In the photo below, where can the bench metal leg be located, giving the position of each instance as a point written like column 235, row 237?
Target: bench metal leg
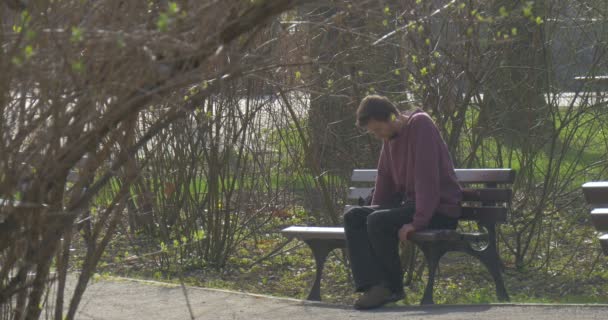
column 432, row 255
column 320, row 250
column 492, row 262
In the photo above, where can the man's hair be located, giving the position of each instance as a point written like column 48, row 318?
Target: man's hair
column 375, row 107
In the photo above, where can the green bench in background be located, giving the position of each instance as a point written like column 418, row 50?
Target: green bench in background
column 596, row 195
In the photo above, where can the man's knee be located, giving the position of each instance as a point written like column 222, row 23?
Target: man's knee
column 355, row 216
column 374, row 222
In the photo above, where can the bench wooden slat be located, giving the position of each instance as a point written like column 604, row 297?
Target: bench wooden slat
column 599, row 217
column 356, row 193
column 364, row 175
column 469, row 194
column 465, row 176
column 596, row 193
column 448, row 235
column 436, row 235
column 486, row 194
column 485, row 175
column 485, row 214
column 304, row 233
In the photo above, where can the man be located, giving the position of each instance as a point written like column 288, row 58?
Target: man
column 416, row 188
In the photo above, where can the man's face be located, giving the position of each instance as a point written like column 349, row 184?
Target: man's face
column 382, row 130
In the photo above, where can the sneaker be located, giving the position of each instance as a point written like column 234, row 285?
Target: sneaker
column 374, row 297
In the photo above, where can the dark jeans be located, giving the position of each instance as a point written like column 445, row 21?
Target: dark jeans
column 372, row 241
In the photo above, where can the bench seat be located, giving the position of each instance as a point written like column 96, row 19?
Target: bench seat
column 337, row 233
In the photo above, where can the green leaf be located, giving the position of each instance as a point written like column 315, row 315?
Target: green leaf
column 29, row 35
column 424, row 71
column 199, row 235
column 503, row 12
column 76, row 35
column 514, row 31
column 397, row 72
column 16, row 61
column 121, row 41
column 539, row 20
column 385, row 23
column 28, row 52
column 162, row 24
column 469, row 31
column 387, row 10
column 298, row 75
column 25, row 17
column 173, row 8
column 77, row 66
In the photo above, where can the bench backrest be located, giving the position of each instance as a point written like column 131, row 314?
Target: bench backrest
column 486, row 192
column 596, row 195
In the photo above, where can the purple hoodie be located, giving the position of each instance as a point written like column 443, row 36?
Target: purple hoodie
column 416, row 162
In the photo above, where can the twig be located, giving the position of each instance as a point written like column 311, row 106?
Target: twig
column 271, row 254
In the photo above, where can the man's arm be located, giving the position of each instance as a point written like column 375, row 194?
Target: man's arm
column 385, row 186
column 426, row 172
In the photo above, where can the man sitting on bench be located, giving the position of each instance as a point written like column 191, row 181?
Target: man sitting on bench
column 416, row 188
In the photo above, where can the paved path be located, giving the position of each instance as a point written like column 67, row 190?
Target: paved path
column 130, row 299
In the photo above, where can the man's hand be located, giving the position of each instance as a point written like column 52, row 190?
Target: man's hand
column 405, row 231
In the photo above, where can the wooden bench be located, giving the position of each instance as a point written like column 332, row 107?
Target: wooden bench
column 487, row 197
column 596, row 195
